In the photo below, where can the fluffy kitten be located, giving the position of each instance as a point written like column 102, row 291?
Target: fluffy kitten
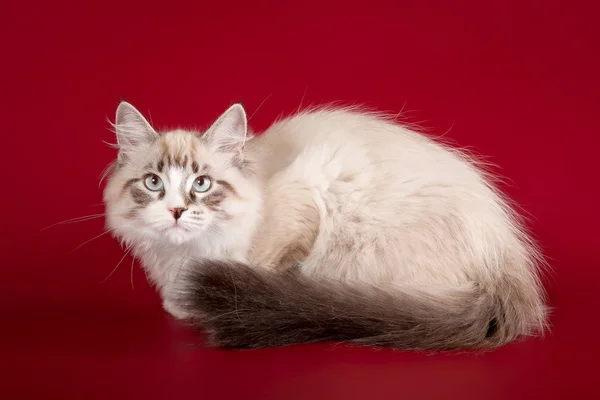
column 333, row 224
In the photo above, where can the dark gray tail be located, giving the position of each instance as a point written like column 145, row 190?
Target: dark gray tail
column 242, row 307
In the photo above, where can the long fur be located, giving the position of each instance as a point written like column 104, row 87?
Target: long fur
column 333, row 224
column 243, row 307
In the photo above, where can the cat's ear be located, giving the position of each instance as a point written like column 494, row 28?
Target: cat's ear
column 228, row 133
column 131, row 128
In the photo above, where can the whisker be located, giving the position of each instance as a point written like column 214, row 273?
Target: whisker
column 75, row 220
column 117, row 266
column 80, row 219
column 90, row 240
column 131, row 274
column 106, row 171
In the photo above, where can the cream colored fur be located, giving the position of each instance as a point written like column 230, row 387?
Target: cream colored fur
column 337, row 193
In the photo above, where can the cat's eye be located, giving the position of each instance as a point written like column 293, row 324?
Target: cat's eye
column 201, row 184
column 153, row 182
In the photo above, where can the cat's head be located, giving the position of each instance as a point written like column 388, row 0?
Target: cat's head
column 178, row 186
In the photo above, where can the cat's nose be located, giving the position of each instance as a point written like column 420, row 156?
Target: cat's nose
column 177, row 211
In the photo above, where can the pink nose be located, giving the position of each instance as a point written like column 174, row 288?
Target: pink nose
column 177, row 211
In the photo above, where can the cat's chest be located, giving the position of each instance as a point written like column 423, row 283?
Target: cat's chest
column 163, row 263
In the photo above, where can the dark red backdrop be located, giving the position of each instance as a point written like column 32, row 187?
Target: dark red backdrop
column 516, row 80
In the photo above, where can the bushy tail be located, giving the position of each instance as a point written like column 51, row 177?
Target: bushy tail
column 242, row 307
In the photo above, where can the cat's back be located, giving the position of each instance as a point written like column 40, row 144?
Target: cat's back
column 347, row 140
column 343, row 125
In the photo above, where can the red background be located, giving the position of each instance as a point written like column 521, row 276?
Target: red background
column 515, row 80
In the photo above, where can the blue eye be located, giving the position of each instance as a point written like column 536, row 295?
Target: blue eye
column 153, row 183
column 201, row 184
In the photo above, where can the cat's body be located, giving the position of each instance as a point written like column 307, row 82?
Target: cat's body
column 332, row 224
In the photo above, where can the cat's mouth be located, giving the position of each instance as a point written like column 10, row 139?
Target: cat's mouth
column 177, row 227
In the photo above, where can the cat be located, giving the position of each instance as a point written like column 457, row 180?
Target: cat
column 335, row 224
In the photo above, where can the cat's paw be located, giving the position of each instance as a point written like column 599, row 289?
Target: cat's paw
column 170, row 307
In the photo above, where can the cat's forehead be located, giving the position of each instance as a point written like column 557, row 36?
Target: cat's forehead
column 180, row 149
column 179, row 143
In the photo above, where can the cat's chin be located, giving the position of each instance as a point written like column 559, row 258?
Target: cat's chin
column 174, row 236
column 177, row 236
